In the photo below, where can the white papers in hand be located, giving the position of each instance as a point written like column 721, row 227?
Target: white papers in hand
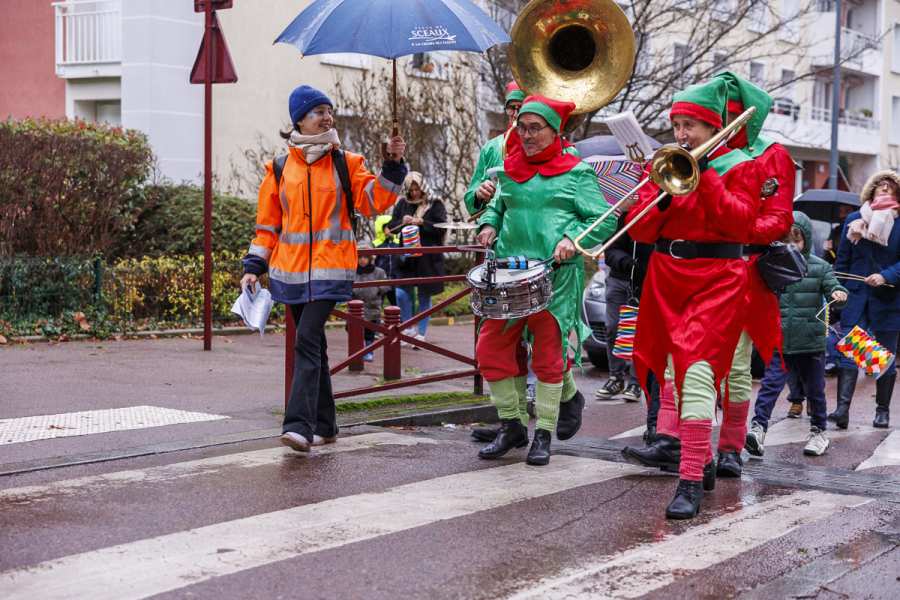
column 254, row 307
column 630, row 136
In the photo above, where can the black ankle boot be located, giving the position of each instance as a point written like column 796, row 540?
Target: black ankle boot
column 486, row 434
column 884, row 388
column 846, row 385
column 688, row 496
column 730, row 464
column 512, row 435
column 709, row 476
column 539, row 454
column 569, row 421
column 663, row 453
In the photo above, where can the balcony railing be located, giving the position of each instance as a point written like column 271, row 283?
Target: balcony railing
column 796, row 111
column 854, row 42
column 88, row 33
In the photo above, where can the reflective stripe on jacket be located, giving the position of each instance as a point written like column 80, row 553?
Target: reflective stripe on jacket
column 303, row 232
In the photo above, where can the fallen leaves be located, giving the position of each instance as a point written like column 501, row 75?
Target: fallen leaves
column 3, row 340
column 64, row 338
column 153, row 336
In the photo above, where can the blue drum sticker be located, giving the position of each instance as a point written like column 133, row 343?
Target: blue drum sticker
column 490, row 301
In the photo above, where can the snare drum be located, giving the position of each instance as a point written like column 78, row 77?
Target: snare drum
column 515, row 293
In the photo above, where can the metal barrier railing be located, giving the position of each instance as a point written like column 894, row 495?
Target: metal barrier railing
column 392, row 331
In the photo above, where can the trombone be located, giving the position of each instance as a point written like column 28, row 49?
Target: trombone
column 675, row 171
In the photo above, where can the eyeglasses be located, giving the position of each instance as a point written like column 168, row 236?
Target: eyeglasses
column 512, row 110
column 531, row 131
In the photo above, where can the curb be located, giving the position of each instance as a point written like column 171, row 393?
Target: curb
column 476, row 413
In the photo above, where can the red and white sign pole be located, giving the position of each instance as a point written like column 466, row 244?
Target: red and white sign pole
column 213, row 65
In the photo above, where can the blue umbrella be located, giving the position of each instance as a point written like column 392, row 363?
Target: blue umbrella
column 390, row 29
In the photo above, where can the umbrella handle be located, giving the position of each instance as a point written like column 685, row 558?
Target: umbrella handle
column 384, row 145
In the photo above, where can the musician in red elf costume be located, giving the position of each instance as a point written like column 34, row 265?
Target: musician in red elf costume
column 693, row 308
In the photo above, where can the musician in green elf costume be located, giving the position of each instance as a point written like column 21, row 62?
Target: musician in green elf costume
column 546, row 199
column 480, row 191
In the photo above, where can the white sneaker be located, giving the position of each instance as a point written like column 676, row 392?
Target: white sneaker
column 756, row 439
column 421, row 338
column 408, row 332
column 817, row 444
column 295, row 442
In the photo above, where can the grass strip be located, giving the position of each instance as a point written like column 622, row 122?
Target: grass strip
column 419, row 398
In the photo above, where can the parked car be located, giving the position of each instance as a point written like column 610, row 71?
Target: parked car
column 593, row 314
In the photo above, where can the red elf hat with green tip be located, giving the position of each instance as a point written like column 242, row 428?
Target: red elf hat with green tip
column 514, row 93
column 704, row 102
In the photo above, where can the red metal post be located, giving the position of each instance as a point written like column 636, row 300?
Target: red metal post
column 479, row 379
column 290, row 338
column 392, row 349
column 356, row 334
column 207, row 184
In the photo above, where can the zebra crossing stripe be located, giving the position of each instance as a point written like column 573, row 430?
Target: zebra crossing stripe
column 886, row 454
column 649, row 567
column 170, row 562
column 87, row 422
column 162, row 474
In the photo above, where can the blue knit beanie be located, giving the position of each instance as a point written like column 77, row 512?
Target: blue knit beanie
column 303, row 100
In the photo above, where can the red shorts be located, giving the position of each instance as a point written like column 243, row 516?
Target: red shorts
column 498, row 354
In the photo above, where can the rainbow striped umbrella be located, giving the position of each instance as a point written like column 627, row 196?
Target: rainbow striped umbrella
column 617, row 177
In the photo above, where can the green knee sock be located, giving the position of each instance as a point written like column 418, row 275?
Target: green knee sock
column 521, row 384
column 546, row 403
column 568, row 386
column 505, row 397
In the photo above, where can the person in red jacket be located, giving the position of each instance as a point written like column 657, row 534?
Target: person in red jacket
column 693, row 308
column 763, row 325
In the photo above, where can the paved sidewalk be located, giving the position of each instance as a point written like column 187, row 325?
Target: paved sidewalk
column 242, row 378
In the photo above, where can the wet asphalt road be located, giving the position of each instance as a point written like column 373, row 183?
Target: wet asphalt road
column 413, row 513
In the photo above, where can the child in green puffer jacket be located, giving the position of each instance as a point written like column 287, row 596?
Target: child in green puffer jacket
column 803, row 351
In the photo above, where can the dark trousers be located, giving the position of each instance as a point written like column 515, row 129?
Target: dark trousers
column 369, row 334
column 310, row 409
column 653, row 402
column 810, row 370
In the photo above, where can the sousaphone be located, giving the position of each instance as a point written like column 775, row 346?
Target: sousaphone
column 579, row 51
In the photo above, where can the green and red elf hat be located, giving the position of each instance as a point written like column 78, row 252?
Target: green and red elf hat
column 552, row 160
column 553, row 111
column 514, row 93
column 704, row 102
column 742, row 95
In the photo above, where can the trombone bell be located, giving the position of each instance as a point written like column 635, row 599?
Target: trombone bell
column 675, row 171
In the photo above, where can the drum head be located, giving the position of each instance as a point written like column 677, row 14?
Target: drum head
column 507, row 276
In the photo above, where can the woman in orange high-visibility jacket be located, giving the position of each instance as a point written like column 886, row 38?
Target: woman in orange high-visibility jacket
column 306, row 244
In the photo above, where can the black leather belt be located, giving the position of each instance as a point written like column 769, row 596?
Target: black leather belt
column 687, row 250
column 754, row 249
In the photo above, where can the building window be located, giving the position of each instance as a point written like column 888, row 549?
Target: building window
column 681, row 63
column 721, row 10
column 790, row 25
column 894, row 138
column 721, row 61
column 348, row 59
column 757, row 73
column 430, row 64
column 785, row 94
column 758, row 16
column 895, row 56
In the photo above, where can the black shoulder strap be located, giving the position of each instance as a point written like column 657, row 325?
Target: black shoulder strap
column 340, row 163
column 278, row 167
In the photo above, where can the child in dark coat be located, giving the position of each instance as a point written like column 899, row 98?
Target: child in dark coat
column 372, row 297
column 803, row 350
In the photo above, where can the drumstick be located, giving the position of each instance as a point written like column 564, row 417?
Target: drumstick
column 854, row 277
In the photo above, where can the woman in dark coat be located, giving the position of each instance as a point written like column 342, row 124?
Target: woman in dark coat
column 422, row 209
column 870, row 248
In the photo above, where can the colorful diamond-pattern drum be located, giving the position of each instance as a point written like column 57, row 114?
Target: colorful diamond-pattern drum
column 410, row 235
column 624, row 347
column 866, row 352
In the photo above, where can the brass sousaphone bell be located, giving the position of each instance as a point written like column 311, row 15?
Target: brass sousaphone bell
column 579, row 51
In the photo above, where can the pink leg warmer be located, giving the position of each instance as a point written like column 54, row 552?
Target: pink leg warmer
column 667, row 421
column 734, row 427
column 696, row 448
